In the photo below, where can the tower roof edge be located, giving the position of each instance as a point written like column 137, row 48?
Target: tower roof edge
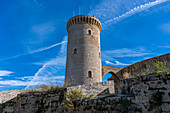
column 81, row 19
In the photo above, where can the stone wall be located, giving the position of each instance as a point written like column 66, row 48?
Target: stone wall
column 144, row 87
column 35, row 102
column 147, row 94
column 145, row 67
column 95, row 88
column 7, row 95
column 109, row 69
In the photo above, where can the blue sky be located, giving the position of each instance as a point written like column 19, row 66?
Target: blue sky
column 33, row 36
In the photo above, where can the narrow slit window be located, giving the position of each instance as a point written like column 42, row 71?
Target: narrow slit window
column 75, row 51
column 99, row 54
column 89, row 74
column 89, row 32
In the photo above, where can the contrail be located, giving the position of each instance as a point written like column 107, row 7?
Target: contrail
column 46, row 66
column 36, row 51
column 135, row 10
column 36, row 74
column 46, row 48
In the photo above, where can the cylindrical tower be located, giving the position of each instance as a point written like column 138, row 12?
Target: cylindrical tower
column 83, row 63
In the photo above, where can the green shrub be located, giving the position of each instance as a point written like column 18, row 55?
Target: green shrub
column 73, row 95
column 160, row 66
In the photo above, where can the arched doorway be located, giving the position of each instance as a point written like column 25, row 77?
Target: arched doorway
column 111, row 76
column 106, row 77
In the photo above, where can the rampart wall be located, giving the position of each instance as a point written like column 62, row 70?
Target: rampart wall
column 147, row 94
column 145, row 67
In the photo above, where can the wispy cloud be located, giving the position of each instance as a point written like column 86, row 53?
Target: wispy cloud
column 25, row 78
column 165, row 28
column 5, row 73
column 124, row 52
column 46, row 48
column 44, row 29
column 116, row 63
column 164, row 46
column 24, row 81
column 13, row 83
column 50, row 68
column 35, row 51
column 135, row 10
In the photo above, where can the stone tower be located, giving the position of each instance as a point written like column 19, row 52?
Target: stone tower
column 83, row 63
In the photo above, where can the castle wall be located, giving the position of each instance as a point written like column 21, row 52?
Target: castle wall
column 95, row 88
column 145, row 67
column 7, row 95
column 143, row 87
column 137, row 97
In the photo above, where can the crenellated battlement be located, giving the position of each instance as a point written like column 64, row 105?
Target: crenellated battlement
column 80, row 19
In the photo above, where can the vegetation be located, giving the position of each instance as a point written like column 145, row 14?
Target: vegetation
column 159, row 67
column 73, row 95
column 19, row 97
column 44, row 87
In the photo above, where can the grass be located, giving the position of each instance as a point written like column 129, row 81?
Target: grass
column 44, row 87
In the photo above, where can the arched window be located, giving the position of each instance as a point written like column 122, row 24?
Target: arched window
column 75, row 51
column 81, row 19
column 89, row 74
column 89, row 32
column 99, row 54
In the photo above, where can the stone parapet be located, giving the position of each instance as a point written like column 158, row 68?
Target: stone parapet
column 82, row 19
column 95, row 88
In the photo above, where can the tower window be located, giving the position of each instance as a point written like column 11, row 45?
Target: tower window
column 75, row 51
column 89, row 74
column 99, row 54
column 89, row 32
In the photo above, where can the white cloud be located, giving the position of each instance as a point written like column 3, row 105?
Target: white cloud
column 116, row 63
column 135, row 10
column 13, row 83
column 43, row 29
column 39, row 80
column 165, row 28
column 164, row 46
column 1, row 78
column 5, row 73
column 28, row 78
column 25, row 78
column 124, row 52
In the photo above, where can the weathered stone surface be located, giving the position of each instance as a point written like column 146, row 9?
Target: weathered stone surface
column 145, row 67
column 95, row 88
column 83, row 51
column 138, row 98
column 7, row 95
